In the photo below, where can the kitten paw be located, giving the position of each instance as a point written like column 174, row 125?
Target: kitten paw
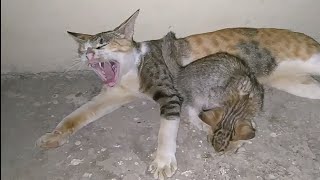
column 163, row 166
column 51, row 140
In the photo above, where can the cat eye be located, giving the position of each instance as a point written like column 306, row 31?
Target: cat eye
column 101, row 41
column 101, row 46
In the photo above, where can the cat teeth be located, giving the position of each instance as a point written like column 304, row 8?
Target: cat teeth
column 100, row 64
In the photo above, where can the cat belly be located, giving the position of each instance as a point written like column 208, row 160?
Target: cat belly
column 297, row 77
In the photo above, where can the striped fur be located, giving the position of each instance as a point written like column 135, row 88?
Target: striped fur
column 219, row 81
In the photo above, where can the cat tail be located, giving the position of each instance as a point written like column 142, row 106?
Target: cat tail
column 170, row 54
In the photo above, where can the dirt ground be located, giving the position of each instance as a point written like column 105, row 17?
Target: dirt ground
column 119, row 146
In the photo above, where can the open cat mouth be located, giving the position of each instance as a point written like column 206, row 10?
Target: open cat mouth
column 108, row 71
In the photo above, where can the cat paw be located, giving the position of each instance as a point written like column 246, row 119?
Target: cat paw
column 163, row 166
column 51, row 140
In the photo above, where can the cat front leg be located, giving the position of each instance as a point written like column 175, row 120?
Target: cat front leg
column 106, row 102
column 165, row 163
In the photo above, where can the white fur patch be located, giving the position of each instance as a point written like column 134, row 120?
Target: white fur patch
column 143, row 50
column 186, row 61
column 311, row 66
column 293, row 76
column 165, row 163
column 193, row 116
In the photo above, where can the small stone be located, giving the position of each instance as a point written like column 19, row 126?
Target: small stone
column 103, row 149
column 55, row 102
column 77, row 143
column 136, row 163
column 87, row 175
column 117, row 145
column 144, row 103
column 130, row 107
column 206, row 155
column 136, row 119
column 120, row 163
column 273, row 134
column 55, row 96
column 187, row 173
column 75, row 162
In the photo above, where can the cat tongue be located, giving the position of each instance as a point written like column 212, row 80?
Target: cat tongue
column 109, row 74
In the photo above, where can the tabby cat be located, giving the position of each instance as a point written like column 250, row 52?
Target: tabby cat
column 280, row 58
column 223, row 86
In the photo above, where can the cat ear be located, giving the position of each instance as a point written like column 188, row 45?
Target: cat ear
column 212, row 117
column 79, row 37
column 127, row 27
column 244, row 131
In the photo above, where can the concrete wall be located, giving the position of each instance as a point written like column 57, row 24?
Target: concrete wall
column 34, row 35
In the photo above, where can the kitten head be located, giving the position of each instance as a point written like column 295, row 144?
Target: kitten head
column 232, row 122
column 110, row 54
column 221, row 139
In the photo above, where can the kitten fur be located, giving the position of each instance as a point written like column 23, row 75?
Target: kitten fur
column 218, row 81
column 281, row 58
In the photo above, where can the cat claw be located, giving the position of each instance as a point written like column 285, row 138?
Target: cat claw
column 51, row 140
column 163, row 166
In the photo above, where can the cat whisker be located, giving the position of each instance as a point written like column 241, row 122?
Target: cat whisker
column 73, row 66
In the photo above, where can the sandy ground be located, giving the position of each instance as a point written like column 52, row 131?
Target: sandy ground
column 119, row 145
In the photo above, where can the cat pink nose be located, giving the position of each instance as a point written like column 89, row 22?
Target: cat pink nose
column 90, row 54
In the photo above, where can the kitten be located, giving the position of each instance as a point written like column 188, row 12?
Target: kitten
column 220, row 84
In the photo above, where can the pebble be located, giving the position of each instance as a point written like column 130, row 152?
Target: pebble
column 187, row 173
column 273, row 134
column 77, row 143
column 75, row 162
column 87, row 175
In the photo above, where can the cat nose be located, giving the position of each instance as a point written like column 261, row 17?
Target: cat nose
column 90, row 53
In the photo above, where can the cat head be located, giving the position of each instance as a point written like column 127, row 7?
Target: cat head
column 229, row 124
column 110, row 54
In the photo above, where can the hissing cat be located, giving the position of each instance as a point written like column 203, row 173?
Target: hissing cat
column 280, row 58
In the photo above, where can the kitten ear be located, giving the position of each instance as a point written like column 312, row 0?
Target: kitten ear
column 79, row 37
column 212, row 117
column 127, row 27
column 244, row 131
